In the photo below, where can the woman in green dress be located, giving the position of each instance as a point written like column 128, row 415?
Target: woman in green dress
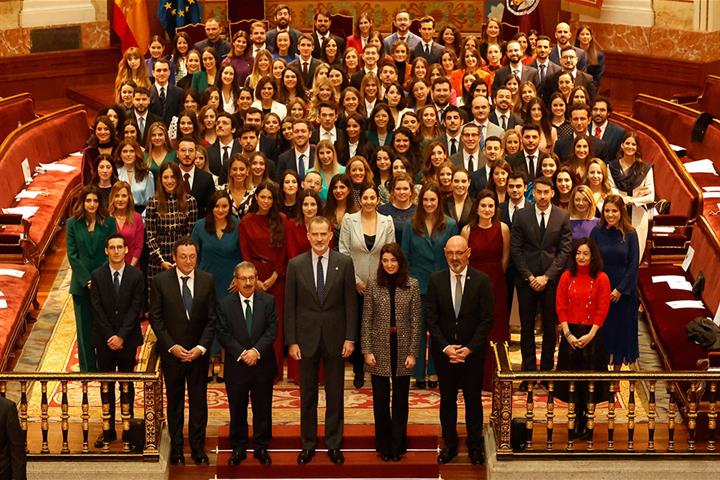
column 158, row 150
column 88, row 228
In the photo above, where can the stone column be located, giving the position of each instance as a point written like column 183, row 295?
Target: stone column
column 706, row 15
column 625, row 12
column 46, row 13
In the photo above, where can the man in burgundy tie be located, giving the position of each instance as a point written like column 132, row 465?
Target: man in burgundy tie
column 603, row 129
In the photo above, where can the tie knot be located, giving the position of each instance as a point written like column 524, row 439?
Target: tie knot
column 186, row 176
column 247, row 302
column 226, row 148
column 185, row 278
column 116, row 274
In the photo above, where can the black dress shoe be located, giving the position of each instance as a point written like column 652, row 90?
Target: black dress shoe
column 447, row 454
column 177, row 459
column 396, row 458
column 201, row 459
column 238, row 455
column 359, row 381
column 432, row 384
column 305, row 456
column 111, row 436
column 420, row 384
column 336, row 456
column 220, row 379
column 262, row 455
column 477, row 456
column 385, row 457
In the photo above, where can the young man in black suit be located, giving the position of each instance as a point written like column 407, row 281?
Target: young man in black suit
column 198, row 182
column 540, row 243
column 515, row 67
column 529, row 159
column 327, row 113
column 300, row 157
column 546, row 69
column 13, row 464
column 458, row 311
column 321, row 323
column 427, row 48
column 117, row 297
column 246, row 328
column 166, row 100
column 579, row 115
column 182, row 315
column 305, row 63
column 502, row 115
column 226, row 145
column 142, row 115
column 282, row 17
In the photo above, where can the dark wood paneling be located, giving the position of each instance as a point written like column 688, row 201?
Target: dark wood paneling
column 46, row 75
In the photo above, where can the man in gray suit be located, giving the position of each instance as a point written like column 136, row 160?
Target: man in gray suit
column 540, row 243
column 321, row 322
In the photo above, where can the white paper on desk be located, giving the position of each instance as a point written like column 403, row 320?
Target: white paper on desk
column 26, row 212
column 3, row 303
column 1, row 294
column 688, row 258
column 680, row 285
column 28, row 194
column 711, row 194
column 667, row 278
column 677, row 148
column 700, row 166
column 680, row 304
column 712, row 188
column 11, row 272
column 76, row 154
column 57, row 167
column 27, row 173
column 663, row 229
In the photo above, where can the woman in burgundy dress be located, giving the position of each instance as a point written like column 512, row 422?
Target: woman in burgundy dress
column 489, row 241
column 262, row 242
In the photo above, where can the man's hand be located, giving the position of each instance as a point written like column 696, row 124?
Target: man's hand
column 370, row 359
column 115, row 342
column 463, row 353
column 250, row 357
column 193, row 353
column 180, row 352
column 452, row 352
column 538, row 283
column 360, row 287
column 294, row 351
column 348, row 348
column 615, row 295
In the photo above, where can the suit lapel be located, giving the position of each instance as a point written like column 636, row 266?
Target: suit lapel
column 332, row 272
column 178, row 292
column 308, row 273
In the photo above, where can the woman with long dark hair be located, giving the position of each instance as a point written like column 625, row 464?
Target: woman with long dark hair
column 390, row 333
column 128, row 222
column 339, row 202
column 240, row 57
column 101, row 141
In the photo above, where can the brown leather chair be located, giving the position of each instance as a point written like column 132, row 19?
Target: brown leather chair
column 244, row 10
column 244, row 25
column 195, row 30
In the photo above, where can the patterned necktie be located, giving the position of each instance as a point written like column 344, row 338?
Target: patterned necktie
column 162, row 95
column 458, row 294
column 187, row 295
column 116, row 282
column 248, row 316
column 141, row 126
column 598, row 132
column 320, row 282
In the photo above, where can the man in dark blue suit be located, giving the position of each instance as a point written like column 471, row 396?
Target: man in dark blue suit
column 166, row 100
column 427, row 48
column 610, row 133
column 300, row 157
column 246, row 328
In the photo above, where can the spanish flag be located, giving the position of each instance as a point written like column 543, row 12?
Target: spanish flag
column 130, row 22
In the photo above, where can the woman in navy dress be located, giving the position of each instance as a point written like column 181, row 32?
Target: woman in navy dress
column 619, row 248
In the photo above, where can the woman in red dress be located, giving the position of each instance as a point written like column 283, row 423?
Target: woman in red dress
column 262, row 242
column 489, row 241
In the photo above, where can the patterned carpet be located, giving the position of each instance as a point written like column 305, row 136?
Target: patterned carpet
column 52, row 347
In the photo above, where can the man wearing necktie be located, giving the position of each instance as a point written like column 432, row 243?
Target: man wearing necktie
column 321, row 322
column 540, row 243
column 166, row 99
column 459, row 314
column 117, row 299
column 246, row 328
column 182, row 315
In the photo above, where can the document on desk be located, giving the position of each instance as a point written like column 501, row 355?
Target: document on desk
column 11, row 272
column 675, row 282
column 700, row 166
column 27, row 173
column 681, row 304
column 716, row 320
column 3, row 303
column 57, row 167
column 26, row 212
column 31, row 194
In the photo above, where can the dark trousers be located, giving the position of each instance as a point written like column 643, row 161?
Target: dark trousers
column 530, row 303
column 390, row 418
column 238, row 396
column 454, row 377
column 122, row 360
column 334, row 366
column 176, row 374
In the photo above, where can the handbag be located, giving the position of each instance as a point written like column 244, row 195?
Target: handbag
column 704, row 332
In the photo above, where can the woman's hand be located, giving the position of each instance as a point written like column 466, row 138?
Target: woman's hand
column 260, row 286
column 166, row 265
column 615, row 296
column 370, row 359
column 585, row 340
column 360, row 286
column 232, row 288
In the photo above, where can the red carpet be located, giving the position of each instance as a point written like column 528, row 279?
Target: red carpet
column 361, row 460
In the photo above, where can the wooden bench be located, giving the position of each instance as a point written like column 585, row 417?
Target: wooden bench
column 667, row 325
column 14, row 111
column 51, row 138
column 672, row 183
column 708, row 100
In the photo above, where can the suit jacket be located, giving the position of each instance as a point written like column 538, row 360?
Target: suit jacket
column 355, row 42
column 306, row 319
column 471, row 326
column 376, row 324
column 117, row 314
column 86, row 252
column 612, row 136
column 215, row 159
column 582, row 58
column 551, row 69
column 513, row 120
column 527, row 74
column 478, row 181
column 149, row 120
column 436, row 52
column 12, row 443
column 563, row 148
column 459, row 159
column 167, row 312
column 581, row 79
column 465, row 213
column 287, row 161
column 340, row 138
column 202, row 190
column 505, row 212
column 519, row 162
column 352, row 243
column 297, row 66
column 174, row 103
column 232, row 332
column 491, row 130
column 411, row 39
column 536, row 255
column 317, row 48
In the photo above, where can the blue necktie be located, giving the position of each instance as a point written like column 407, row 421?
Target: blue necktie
column 301, row 167
column 187, row 295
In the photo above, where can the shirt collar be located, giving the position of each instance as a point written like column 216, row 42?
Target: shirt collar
column 121, row 270
column 546, row 211
column 243, row 298
column 180, row 275
column 462, row 274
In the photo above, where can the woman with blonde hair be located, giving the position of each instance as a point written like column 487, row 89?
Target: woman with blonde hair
column 128, row 221
column 261, row 68
column 158, row 150
column 582, row 212
column 598, row 179
column 239, row 186
column 326, row 164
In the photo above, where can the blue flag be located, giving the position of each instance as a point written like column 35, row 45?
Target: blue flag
column 177, row 13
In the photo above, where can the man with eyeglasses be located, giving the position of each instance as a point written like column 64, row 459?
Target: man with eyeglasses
column 563, row 37
column 469, row 157
column 198, row 182
column 569, row 64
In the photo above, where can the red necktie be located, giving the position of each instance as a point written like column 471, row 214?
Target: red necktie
column 598, row 133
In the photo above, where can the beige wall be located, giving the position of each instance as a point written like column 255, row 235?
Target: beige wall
column 10, row 14
column 674, row 14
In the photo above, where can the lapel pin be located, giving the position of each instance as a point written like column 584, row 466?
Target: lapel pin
column 336, row 269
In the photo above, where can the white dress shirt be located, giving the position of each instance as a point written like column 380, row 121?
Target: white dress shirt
column 191, row 286
column 538, row 215
column 244, row 308
column 325, row 260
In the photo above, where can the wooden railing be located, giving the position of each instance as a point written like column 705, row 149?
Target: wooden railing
column 47, row 423
column 701, row 415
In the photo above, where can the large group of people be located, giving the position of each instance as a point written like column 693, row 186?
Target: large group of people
column 296, row 199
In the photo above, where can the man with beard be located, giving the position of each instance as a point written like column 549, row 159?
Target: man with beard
column 523, row 73
column 282, row 24
column 502, row 115
column 321, row 34
column 563, row 37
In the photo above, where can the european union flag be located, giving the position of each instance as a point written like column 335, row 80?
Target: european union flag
column 177, row 13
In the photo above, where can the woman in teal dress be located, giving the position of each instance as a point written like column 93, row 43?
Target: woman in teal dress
column 209, row 74
column 423, row 243
column 158, row 150
column 87, row 230
column 219, row 250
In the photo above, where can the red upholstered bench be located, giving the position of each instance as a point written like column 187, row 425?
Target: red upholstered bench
column 47, row 139
column 667, row 325
column 20, row 295
column 708, row 100
column 18, row 109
